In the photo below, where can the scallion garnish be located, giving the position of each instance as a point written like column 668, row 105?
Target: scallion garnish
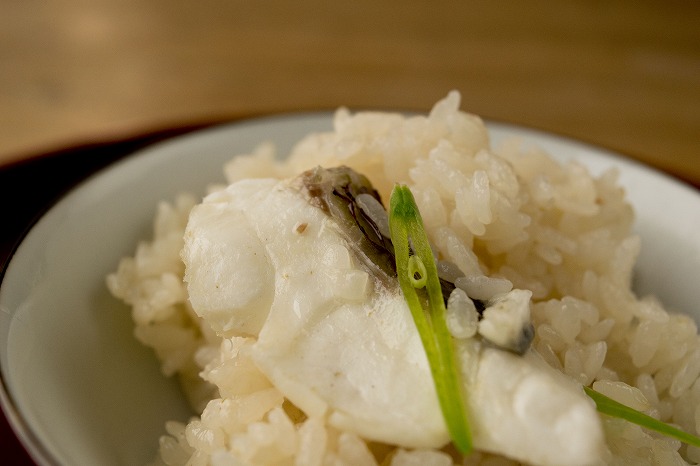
column 420, row 285
column 610, row 407
column 417, row 271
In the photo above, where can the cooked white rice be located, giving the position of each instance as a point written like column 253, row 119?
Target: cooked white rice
column 504, row 212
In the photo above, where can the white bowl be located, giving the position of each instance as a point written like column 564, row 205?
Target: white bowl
column 77, row 387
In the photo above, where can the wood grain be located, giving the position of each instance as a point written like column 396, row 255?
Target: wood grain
column 625, row 75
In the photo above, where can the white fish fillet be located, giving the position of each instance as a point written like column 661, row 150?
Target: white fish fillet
column 260, row 260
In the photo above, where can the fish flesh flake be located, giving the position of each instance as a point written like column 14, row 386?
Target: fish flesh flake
column 340, row 343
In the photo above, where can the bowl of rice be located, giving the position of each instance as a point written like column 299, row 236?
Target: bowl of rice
column 109, row 356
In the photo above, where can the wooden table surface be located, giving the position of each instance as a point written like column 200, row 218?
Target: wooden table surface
column 624, row 75
column 621, row 74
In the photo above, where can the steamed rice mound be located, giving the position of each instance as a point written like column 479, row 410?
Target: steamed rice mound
column 511, row 212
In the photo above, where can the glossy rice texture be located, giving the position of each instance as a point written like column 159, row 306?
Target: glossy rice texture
column 510, row 212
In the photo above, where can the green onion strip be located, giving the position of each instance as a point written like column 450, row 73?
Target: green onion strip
column 416, row 269
column 610, row 407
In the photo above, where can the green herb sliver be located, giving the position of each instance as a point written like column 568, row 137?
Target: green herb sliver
column 606, row 405
column 416, row 270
